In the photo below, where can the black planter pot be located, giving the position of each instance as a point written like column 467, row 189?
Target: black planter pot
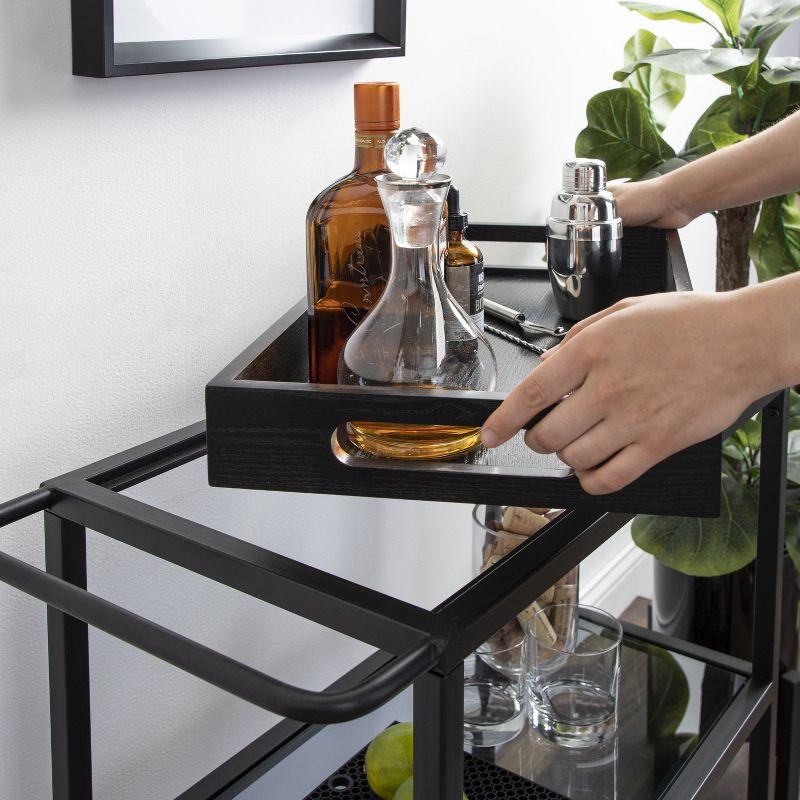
column 718, row 612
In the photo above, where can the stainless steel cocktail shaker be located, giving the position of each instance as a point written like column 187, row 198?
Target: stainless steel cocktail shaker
column 584, row 241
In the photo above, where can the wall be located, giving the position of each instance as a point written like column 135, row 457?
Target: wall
column 152, row 227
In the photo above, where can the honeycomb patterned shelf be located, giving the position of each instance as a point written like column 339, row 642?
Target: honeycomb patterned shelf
column 482, row 781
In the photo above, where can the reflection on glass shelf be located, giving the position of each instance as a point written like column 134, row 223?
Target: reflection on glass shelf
column 667, row 703
column 416, row 551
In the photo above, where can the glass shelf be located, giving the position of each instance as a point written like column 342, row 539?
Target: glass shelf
column 668, row 703
column 418, row 552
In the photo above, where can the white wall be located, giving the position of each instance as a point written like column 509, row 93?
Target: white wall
column 153, row 226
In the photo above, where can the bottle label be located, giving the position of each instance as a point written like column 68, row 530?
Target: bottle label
column 372, row 140
column 466, row 285
column 476, row 284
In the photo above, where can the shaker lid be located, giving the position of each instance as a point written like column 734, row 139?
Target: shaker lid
column 584, row 176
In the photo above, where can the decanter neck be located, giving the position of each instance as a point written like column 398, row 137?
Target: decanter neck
column 413, row 269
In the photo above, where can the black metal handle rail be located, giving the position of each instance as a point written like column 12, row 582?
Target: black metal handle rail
column 217, row 669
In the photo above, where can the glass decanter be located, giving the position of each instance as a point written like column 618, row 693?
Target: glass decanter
column 417, row 334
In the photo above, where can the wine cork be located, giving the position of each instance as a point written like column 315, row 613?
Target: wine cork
column 546, row 598
column 522, row 521
column 543, row 630
column 537, row 510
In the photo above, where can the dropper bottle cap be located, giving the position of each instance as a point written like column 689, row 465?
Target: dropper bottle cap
column 456, row 218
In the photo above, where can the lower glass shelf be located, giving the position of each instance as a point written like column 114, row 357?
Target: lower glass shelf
column 668, row 703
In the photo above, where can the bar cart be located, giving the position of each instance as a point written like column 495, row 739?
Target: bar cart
column 415, row 646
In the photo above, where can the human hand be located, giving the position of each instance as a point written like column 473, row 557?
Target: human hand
column 645, row 378
column 649, row 203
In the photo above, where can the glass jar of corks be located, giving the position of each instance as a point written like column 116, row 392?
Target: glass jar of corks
column 497, row 530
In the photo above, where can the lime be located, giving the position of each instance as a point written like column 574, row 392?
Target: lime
column 406, row 791
column 389, row 759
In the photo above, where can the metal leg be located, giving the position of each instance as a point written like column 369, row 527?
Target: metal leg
column 439, row 736
column 68, row 644
column 767, row 601
column 788, row 769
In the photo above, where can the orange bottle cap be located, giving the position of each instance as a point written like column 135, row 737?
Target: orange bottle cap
column 377, row 106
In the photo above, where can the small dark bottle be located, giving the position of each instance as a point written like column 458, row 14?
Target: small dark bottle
column 463, row 271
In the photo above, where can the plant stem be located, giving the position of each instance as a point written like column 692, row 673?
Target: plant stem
column 734, row 231
column 761, row 110
column 723, row 39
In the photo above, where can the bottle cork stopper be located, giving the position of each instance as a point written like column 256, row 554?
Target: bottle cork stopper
column 377, row 106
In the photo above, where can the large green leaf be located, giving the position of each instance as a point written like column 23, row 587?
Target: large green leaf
column 775, row 246
column 670, row 165
column 659, row 12
column 741, row 78
column 667, row 693
column 794, row 410
column 729, row 11
column 762, row 26
column 705, row 547
column 782, row 70
column 758, row 106
column 793, row 457
column 793, row 535
column 662, row 90
column 621, row 132
column 708, row 61
column 713, row 131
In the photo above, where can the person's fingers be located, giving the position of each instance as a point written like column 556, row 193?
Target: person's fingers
column 547, row 384
column 585, row 323
column 550, row 351
column 595, row 446
column 625, row 467
column 570, row 419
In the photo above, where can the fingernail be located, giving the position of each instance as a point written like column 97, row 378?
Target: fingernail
column 489, row 438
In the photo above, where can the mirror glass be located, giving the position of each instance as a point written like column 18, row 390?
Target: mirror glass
column 280, row 25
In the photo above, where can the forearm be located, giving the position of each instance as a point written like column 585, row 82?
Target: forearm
column 765, row 165
column 769, row 314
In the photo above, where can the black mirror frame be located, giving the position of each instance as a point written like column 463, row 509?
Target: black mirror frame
column 95, row 54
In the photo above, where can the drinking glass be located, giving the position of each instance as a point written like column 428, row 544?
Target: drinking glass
column 572, row 680
column 494, row 707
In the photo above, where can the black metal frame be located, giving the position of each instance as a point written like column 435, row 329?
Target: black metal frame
column 419, row 646
column 95, row 54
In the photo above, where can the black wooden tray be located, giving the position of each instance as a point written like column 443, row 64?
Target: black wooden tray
column 268, row 428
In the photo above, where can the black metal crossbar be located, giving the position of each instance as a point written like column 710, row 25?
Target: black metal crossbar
column 215, row 668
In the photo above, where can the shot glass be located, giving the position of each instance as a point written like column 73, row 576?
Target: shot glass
column 572, row 674
column 494, row 696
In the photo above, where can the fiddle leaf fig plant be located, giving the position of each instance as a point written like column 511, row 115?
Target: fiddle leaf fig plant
column 709, row 547
column 661, row 89
column 760, row 90
column 625, row 127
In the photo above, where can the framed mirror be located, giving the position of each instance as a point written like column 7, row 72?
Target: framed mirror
column 141, row 37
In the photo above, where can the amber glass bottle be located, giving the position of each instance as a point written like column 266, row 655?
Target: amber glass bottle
column 463, row 271
column 348, row 246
